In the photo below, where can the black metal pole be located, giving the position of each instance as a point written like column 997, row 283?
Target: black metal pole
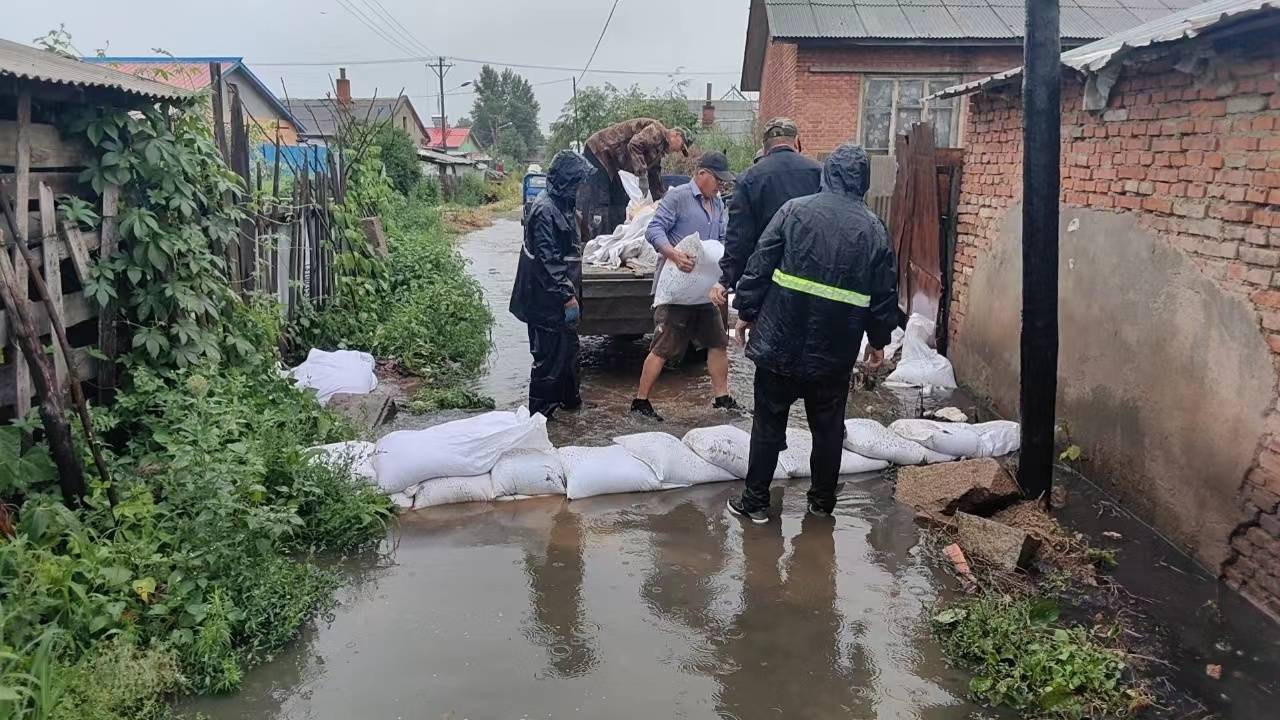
column 1041, row 122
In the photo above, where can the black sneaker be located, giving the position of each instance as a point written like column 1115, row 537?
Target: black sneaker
column 572, row 405
column 735, row 506
column 725, row 402
column 645, row 408
column 818, row 510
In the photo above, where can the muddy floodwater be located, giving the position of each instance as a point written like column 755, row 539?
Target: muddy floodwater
column 660, row 605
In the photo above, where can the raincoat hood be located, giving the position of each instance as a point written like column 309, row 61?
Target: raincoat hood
column 568, row 170
column 847, row 171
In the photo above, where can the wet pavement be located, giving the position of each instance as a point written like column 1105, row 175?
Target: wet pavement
column 661, row 606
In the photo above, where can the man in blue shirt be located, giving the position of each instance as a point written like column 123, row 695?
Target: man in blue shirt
column 693, row 207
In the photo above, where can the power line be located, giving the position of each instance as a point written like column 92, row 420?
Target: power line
column 417, row 59
column 359, row 15
column 600, row 39
column 395, row 24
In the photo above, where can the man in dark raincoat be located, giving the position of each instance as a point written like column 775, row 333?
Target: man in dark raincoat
column 822, row 274
column 548, row 284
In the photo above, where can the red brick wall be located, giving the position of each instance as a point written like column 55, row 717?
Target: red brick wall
column 778, row 83
column 1197, row 159
column 820, row 87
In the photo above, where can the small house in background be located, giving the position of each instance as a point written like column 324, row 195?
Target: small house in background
column 436, row 164
column 734, row 114
column 265, row 113
column 860, row 70
column 455, row 140
column 321, row 115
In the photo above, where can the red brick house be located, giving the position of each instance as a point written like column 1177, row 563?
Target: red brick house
column 860, row 69
column 1169, row 273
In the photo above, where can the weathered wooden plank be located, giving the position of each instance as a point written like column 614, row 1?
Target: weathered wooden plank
column 107, row 338
column 76, row 308
column 634, row 288
column 46, row 146
column 52, row 273
column 84, row 367
column 78, row 251
column 60, row 182
column 22, row 192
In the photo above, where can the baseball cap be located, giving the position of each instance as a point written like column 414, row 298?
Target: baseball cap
column 717, row 164
column 687, row 137
column 781, row 127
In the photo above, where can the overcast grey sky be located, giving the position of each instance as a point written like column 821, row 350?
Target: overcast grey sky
column 692, row 37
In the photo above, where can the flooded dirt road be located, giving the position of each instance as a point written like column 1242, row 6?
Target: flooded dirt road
column 661, row 606
column 625, row 606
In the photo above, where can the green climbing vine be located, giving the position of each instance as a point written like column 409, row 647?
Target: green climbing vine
column 178, row 213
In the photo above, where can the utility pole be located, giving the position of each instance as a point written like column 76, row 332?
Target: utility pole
column 441, row 69
column 577, row 135
column 1041, row 123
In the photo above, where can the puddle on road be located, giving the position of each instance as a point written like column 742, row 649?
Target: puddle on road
column 631, row 606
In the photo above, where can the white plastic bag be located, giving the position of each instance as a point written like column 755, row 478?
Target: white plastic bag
column 528, row 472
column 340, row 371
column 461, row 448
column 593, row 471
column 921, row 365
column 637, row 201
column 958, row 439
column 676, row 287
column 355, row 455
column 452, row 490
column 998, row 437
column 871, row 439
column 800, row 446
column 673, row 462
column 727, row 447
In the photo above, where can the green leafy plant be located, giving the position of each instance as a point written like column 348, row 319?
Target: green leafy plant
column 1023, row 658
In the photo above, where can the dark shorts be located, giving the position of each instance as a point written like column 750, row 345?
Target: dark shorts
column 675, row 326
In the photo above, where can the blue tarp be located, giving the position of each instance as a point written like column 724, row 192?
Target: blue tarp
column 293, row 157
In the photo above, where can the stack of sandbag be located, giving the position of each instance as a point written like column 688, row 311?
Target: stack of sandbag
column 728, row 448
column 800, row 447
column 626, row 245
column 354, row 456
column 921, row 365
column 340, row 371
column 453, row 462
column 591, row 471
column 673, row 462
column 989, row 439
column 528, row 472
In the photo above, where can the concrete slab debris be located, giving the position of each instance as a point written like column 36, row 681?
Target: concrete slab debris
column 979, row 487
column 1005, row 547
column 367, row 411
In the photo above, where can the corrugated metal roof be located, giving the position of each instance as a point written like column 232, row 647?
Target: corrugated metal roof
column 949, row 19
column 1095, row 56
column 31, row 63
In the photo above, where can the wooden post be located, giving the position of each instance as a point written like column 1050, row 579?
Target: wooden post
column 52, row 277
column 219, row 117
column 108, row 340
column 1041, row 128
column 22, row 190
column 240, row 165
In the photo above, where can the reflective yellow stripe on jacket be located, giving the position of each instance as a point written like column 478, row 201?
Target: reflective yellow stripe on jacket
column 809, row 287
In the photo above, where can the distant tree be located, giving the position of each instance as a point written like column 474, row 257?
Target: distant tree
column 505, row 107
column 463, row 122
column 599, row 107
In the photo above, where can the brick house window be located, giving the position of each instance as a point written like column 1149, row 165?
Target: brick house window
column 891, row 104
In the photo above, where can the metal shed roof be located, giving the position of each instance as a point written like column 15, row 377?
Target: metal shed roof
column 28, row 63
column 1095, row 56
column 949, row 19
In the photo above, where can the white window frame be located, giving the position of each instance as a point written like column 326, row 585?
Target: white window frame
column 925, row 108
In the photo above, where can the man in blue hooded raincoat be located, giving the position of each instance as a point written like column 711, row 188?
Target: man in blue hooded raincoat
column 548, row 285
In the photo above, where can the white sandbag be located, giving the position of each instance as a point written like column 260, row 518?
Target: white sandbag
column 676, row 287
column 461, row 448
column 404, row 501
column 672, row 461
column 921, row 365
column 727, row 447
column 354, row 455
column 958, row 439
column 800, row 446
column 591, row 471
column 453, row 490
column 528, row 472
column 340, row 371
column 637, row 200
column 998, row 437
column 871, row 439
